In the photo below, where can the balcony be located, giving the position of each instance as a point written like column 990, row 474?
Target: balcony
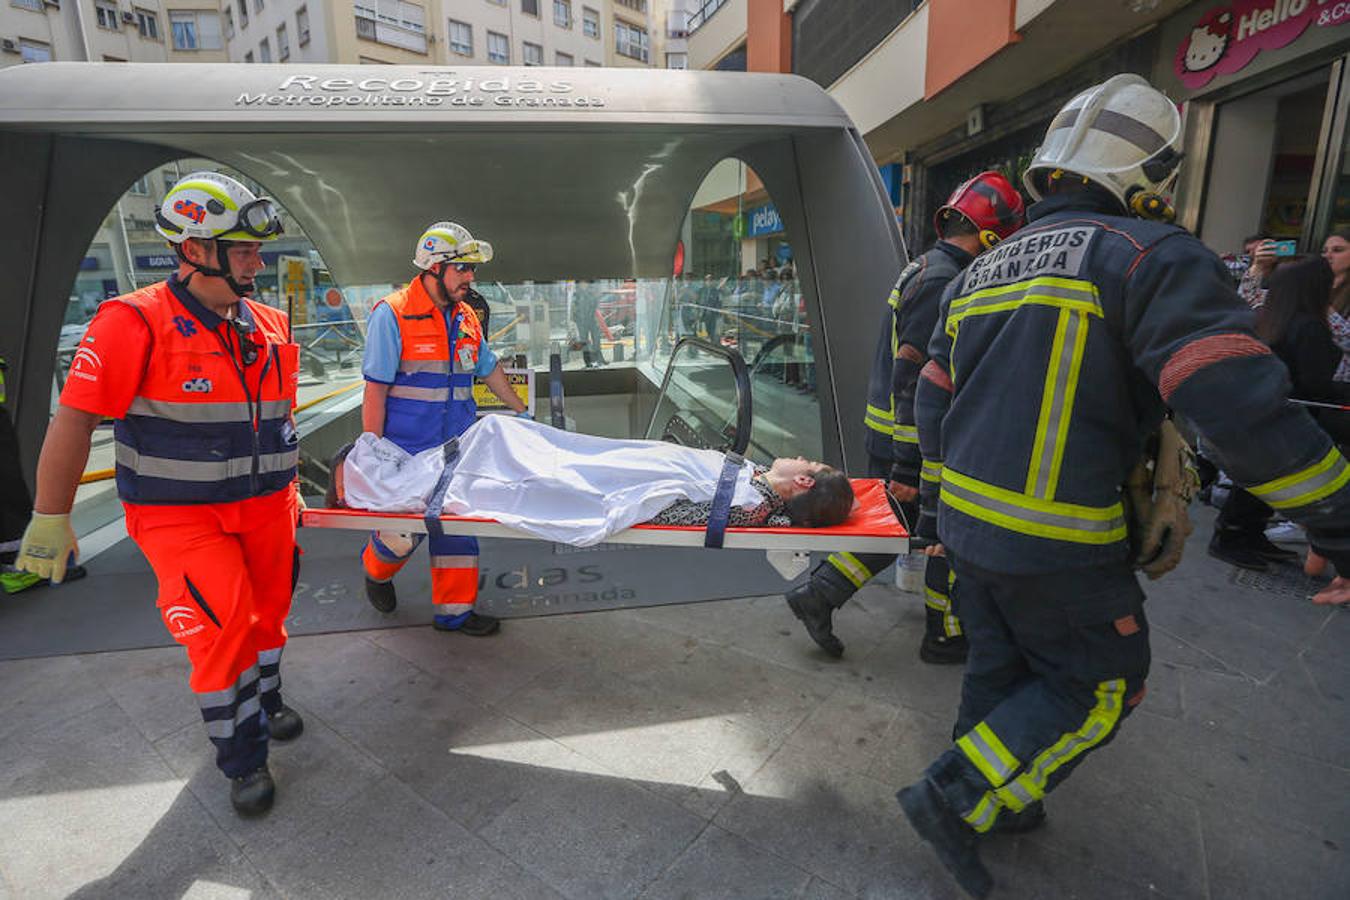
column 380, row 32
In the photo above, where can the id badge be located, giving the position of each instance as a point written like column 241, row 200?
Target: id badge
column 466, row 363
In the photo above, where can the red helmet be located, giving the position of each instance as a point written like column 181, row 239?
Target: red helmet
column 991, row 204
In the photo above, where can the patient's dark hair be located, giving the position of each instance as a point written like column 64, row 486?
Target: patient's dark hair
column 330, row 497
column 827, row 502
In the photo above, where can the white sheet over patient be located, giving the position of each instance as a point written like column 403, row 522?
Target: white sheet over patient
column 572, row 488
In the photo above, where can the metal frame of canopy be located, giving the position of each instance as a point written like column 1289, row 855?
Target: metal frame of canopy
column 570, row 173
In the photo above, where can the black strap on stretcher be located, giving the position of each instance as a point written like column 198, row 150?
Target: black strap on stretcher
column 432, row 517
column 720, row 512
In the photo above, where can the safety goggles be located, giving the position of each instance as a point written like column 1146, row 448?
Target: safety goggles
column 259, row 218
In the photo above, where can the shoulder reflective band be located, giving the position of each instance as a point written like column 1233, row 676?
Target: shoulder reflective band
column 1322, row 479
column 432, row 516
column 555, row 391
column 1030, row 515
column 721, row 504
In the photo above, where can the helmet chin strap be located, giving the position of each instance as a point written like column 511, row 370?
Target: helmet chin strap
column 222, row 269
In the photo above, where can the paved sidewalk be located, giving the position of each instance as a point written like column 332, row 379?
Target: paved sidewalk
column 693, row 751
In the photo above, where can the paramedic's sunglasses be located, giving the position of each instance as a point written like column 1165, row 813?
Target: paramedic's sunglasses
column 464, row 267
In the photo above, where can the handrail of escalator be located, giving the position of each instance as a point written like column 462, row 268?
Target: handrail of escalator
column 770, row 346
column 744, row 410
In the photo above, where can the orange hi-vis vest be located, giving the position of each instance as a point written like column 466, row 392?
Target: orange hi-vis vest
column 431, row 398
column 204, row 428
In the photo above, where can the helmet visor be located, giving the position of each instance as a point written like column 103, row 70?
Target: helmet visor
column 260, row 219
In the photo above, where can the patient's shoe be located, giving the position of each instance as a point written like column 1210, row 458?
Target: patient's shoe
column 381, row 595
column 470, row 623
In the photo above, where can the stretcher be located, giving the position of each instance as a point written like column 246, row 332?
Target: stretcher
column 872, row 527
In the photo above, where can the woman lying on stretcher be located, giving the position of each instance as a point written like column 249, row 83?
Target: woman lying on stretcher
column 579, row 489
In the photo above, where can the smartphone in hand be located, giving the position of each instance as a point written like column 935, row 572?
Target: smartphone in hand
column 1284, row 248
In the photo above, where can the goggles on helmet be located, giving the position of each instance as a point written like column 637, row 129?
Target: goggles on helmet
column 258, row 218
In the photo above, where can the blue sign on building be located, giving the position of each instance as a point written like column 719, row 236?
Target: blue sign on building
column 763, row 220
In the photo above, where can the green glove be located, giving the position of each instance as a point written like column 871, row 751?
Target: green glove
column 48, row 546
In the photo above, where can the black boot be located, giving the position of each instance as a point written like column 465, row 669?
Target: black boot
column 1029, row 819
column 1236, row 548
column 285, row 724
column 252, row 794
column 937, row 648
column 1270, row 551
column 955, row 842
column 381, row 595
column 470, row 623
column 817, row 616
column 814, row 602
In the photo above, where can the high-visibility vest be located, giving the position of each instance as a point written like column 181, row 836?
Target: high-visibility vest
column 431, row 398
column 202, row 428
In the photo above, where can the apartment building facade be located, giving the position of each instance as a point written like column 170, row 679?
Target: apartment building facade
column 623, row 33
column 111, row 31
column 443, row 32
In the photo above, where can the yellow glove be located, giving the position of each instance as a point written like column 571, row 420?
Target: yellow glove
column 47, row 546
column 1166, row 524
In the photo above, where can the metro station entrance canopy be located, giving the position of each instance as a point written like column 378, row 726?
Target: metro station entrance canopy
column 572, row 173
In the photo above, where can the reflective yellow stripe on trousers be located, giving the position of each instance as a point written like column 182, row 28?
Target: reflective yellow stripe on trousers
column 851, row 567
column 1322, row 479
column 879, row 419
column 1029, row 786
column 1031, row 515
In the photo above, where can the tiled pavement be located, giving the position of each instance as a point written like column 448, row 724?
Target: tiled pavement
column 689, row 751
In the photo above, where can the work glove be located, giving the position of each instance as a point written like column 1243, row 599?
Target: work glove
column 1159, row 497
column 48, row 546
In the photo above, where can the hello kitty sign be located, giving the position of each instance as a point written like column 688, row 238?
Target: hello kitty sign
column 1228, row 37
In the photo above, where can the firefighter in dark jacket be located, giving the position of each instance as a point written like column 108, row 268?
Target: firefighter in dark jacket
column 1055, row 356
column 979, row 214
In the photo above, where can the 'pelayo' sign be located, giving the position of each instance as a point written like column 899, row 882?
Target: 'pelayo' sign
column 1226, row 38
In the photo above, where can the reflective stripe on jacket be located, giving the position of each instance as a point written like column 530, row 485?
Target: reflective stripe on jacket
column 911, row 312
column 202, row 427
column 431, row 398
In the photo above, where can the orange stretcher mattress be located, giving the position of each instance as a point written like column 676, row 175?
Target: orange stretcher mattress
column 872, row 528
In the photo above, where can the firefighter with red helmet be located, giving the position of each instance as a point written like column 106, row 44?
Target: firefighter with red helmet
column 200, row 380
column 979, row 214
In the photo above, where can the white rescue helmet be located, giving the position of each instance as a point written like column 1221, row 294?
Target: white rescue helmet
column 209, row 205
column 449, row 242
column 1123, row 135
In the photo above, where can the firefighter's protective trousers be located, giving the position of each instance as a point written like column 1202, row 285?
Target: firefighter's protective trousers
column 1030, row 711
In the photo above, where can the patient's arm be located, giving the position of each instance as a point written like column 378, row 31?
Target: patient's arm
column 372, row 408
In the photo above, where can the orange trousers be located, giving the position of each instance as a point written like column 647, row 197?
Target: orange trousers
column 226, row 574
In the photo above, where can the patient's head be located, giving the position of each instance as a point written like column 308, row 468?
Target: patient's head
column 334, row 497
column 816, row 495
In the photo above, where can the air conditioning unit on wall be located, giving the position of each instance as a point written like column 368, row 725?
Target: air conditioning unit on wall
column 9, row 45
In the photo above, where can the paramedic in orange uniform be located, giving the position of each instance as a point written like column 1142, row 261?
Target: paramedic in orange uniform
column 201, row 382
column 424, row 347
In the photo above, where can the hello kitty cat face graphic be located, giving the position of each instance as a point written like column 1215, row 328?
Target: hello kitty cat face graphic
column 1208, row 41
